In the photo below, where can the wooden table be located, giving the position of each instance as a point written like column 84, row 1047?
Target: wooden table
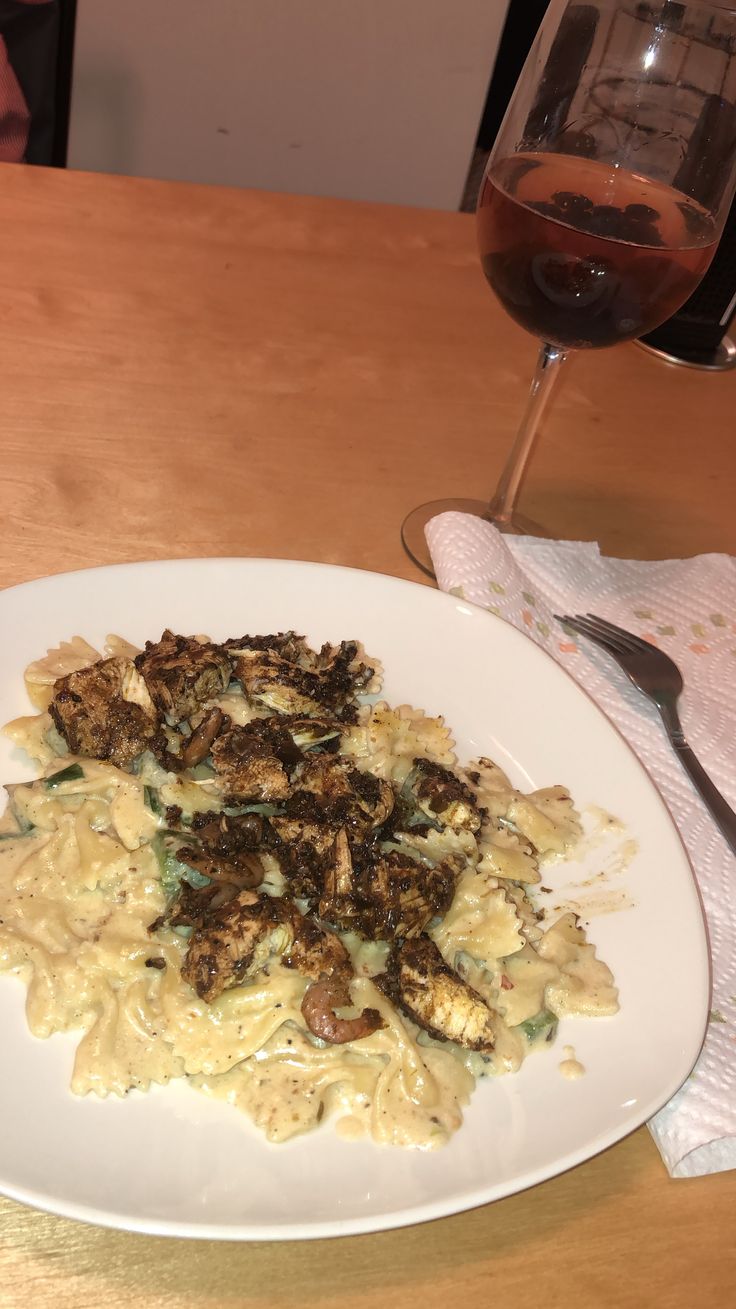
column 191, row 371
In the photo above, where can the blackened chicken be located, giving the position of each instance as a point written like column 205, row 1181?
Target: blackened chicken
column 329, row 682
column 236, row 941
column 418, row 980
column 238, row 938
column 344, row 796
column 182, row 674
column 91, row 710
column 438, row 794
column 328, row 796
column 383, row 895
column 252, row 762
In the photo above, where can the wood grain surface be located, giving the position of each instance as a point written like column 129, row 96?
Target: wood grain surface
column 197, row 371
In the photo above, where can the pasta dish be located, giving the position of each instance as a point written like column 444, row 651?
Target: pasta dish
column 239, row 866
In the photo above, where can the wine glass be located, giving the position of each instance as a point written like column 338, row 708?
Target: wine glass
column 605, row 193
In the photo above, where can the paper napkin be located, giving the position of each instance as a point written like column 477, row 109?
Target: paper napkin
column 688, row 608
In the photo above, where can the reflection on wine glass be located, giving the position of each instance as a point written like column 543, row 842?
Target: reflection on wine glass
column 605, row 193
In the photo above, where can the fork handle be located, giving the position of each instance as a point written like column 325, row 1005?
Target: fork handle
column 720, row 810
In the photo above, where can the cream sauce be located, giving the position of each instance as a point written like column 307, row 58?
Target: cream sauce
column 570, row 1067
column 603, row 831
column 596, row 904
column 404, row 1093
column 606, row 845
column 350, row 1128
column 78, row 896
column 75, row 906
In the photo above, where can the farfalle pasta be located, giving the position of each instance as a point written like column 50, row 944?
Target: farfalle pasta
column 236, row 868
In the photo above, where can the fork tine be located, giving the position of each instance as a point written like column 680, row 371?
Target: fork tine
column 586, row 628
column 637, row 645
column 606, row 630
column 603, row 639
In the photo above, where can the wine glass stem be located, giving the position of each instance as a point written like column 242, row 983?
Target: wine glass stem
column 503, row 504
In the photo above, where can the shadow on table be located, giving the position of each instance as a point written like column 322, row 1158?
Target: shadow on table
column 639, row 525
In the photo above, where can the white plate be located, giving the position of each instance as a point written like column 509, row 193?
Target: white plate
column 176, row 1163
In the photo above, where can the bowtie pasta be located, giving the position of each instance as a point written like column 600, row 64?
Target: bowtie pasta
column 239, row 867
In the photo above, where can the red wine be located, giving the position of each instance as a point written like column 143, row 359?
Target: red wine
column 583, row 255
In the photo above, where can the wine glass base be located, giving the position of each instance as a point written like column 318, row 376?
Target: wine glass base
column 415, row 542
column 719, row 360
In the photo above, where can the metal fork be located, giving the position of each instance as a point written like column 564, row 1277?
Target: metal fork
column 657, row 677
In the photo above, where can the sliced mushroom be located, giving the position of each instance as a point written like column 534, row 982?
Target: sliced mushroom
column 198, row 745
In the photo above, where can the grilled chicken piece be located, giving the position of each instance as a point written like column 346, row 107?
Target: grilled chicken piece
column 236, row 941
column 289, row 645
column 294, row 831
column 406, row 895
column 287, row 686
column 182, row 674
column 328, row 796
column 316, row 952
column 340, row 902
column 306, row 733
column 284, row 687
column 441, row 796
column 95, row 712
column 346, row 797
column 418, row 980
column 250, row 761
column 303, row 851
column 388, row 896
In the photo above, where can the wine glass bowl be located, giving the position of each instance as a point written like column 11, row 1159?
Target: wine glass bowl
column 605, row 193
column 584, row 260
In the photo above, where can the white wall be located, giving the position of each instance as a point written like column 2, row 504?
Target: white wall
column 365, row 99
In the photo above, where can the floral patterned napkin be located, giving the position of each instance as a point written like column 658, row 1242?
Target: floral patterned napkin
column 688, row 607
